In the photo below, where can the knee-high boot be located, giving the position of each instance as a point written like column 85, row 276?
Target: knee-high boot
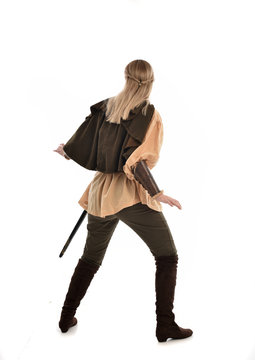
column 80, row 281
column 165, row 282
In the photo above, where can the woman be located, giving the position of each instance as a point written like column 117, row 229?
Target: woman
column 124, row 137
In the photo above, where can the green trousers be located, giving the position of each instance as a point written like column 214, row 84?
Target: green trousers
column 149, row 224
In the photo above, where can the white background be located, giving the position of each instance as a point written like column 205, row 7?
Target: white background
column 60, row 57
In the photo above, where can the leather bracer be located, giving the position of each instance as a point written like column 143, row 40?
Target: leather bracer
column 143, row 175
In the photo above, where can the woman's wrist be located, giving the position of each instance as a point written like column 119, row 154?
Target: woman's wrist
column 158, row 194
column 68, row 158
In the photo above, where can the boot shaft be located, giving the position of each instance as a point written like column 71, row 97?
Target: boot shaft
column 80, row 281
column 165, row 282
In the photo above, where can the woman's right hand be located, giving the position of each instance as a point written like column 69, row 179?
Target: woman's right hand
column 60, row 150
column 168, row 200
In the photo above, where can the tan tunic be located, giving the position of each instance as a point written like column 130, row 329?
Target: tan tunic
column 108, row 193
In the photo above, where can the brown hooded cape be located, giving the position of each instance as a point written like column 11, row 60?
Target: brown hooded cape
column 103, row 146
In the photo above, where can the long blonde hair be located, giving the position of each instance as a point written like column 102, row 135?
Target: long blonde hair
column 139, row 77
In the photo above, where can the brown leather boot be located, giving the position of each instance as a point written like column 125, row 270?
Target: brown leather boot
column 80, row 281
column 165, row 282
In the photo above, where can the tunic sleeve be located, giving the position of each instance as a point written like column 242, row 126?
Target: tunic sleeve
column 149, row 150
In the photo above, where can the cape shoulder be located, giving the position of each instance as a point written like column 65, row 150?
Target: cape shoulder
column 136, row 124
column 101, row 105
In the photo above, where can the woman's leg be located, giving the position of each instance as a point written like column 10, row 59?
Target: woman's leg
column 152, row 227
column 100, row 231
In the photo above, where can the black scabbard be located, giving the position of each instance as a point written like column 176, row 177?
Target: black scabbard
column 73, row 232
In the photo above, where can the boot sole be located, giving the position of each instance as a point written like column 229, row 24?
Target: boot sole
column 164, row 339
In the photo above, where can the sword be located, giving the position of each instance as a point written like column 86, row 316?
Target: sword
column 81, row 218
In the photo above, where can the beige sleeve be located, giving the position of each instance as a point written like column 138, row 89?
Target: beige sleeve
column 149, row 150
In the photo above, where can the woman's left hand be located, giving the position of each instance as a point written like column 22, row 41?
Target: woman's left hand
column 169, row 200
